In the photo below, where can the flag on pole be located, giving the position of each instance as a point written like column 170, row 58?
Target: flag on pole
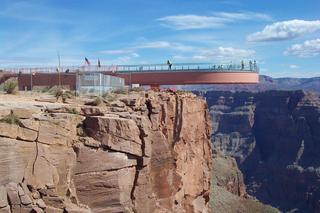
column 87, row 61
column 99, row 64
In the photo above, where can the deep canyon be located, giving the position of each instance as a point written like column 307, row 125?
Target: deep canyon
column 275, row 138
column 162, row 152
column 146, row 152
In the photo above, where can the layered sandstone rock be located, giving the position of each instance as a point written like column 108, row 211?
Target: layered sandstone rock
column 275, row 139
column 228, row 188
column 146, row 152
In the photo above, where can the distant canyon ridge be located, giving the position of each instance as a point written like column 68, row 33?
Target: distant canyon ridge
column 275, row 138
column 265, row 83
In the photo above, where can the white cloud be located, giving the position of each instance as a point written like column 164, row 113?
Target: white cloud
column 116, row 52
column 284, row 30
column 184, row 22
column 153, row 45
column 182, row 52
column 293, row 66
column 149, row 45
column 224, row 54
column 219, row 19
column 308, row 49
column 135, row 55
column 216, row 55
column 243, row 16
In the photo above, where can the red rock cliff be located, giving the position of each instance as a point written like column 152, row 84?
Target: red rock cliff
column 147, row 152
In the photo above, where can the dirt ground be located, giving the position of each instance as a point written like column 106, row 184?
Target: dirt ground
column 26, row 100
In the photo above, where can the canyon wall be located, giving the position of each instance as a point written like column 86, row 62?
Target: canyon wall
column 275, row 138
column 228, row 189
column 143, row 152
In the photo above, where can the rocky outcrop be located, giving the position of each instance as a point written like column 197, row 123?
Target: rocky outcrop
column 274, row 136
column 228, row 188
column 146, row 152
column 227, row 175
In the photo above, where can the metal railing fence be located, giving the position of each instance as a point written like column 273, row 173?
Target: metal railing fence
column 179, row 67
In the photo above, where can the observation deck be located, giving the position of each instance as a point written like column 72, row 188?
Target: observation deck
column 186, row 74
column 147, row 74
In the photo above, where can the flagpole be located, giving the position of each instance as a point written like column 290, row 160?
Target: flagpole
column 31, row 80
column 59, row 69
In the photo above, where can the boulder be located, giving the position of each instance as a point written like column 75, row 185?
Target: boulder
column 26, row 209
column 15, row 156
column 14, row 131
column 5, row 209
column 50, row 168
column 41, row 204
column 77, row 209
column 52, row 133
column 27, row 134
column 16, row 209
column 56, row 202
column 59, row 129
column 118, row 104
column 87, row 141
column 37, row 209
column 13, row 195
column 118, row 134
column 30, row 124
column 8, row 130
column 91, row 111
column 90, row 160
column 24, row 113
column 3, row 197
column 54, row 210
column 134, row 101
column 25, row 199
column 107, row 191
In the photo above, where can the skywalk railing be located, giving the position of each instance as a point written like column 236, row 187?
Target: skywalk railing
column 185, row 67
column 179, row 67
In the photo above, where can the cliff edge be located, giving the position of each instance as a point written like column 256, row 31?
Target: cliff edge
column 274, row 137
column 143, row 152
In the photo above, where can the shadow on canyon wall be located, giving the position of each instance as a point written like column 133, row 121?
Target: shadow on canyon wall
column 275, row 138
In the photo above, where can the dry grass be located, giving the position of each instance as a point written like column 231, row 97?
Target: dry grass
column 10, row 119
column 10, row 86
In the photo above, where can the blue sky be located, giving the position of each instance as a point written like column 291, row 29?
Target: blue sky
column 283, row 36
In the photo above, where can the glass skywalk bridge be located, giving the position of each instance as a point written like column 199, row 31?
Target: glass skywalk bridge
column 179, row 67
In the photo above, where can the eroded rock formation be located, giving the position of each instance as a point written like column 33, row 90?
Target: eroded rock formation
column 275, row 138
column 228, row 188
column 146, row 152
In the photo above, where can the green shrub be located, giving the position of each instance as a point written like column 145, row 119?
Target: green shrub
column 69, row 94
column 63, row 94
column 45, row 89
column 72, row 111
column 97, row 101
column 10, row 119
column 10, row 86
column 57, row 92
column 120, row 91
column 108, row 96
column 137, row 89
column 182, row 92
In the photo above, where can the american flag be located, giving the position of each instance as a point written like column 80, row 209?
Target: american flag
column 87, row 61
